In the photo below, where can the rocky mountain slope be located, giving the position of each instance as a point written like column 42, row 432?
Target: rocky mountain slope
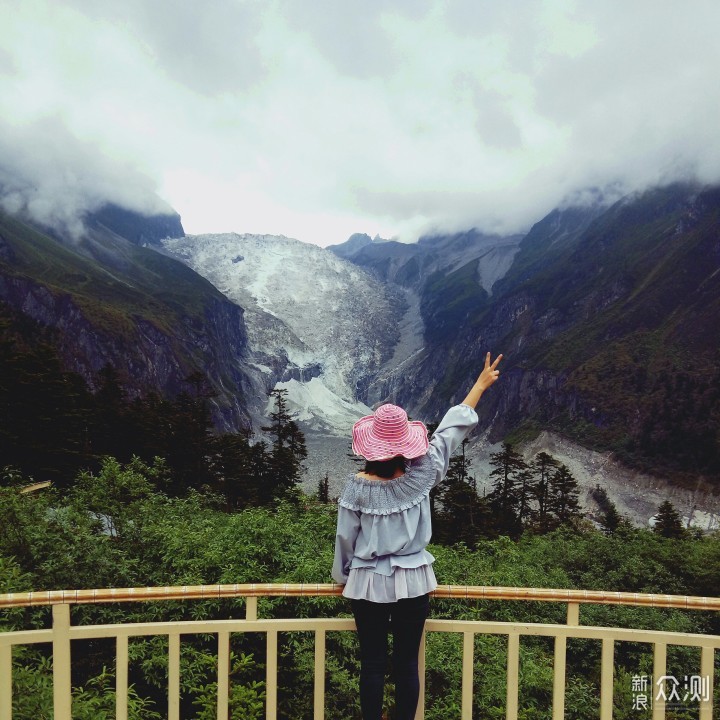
column 412, row 264
column 607, row 320
column 444, row 278
column 113, row 301
column 605, row 315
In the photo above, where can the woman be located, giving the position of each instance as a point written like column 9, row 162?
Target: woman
column 383, row 529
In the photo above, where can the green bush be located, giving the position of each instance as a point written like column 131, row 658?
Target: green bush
column 114, row 529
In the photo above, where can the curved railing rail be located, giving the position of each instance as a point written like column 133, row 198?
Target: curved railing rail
column 467, row 592
column 63, row 632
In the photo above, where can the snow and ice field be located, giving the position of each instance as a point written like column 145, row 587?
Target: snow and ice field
column 328, row 321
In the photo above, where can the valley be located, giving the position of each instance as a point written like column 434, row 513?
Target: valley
column 637, row 495
column 536, row 298
column 605, row 313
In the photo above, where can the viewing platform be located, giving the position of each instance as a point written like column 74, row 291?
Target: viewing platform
column 63, row 632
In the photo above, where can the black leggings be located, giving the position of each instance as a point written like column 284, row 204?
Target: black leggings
column 405, row 619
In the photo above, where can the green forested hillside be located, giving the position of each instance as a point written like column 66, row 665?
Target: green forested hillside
column 53, row 424
column 134, row 281
column 608, row 324
column 109, row 300
column 114, row 528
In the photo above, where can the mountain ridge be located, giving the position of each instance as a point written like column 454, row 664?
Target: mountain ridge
column 618, row 301
column 112, row 301
column 606, row 315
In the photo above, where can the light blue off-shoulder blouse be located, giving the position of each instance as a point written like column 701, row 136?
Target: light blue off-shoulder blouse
column 384, row 526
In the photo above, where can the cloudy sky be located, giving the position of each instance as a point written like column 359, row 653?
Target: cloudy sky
column 319, row 118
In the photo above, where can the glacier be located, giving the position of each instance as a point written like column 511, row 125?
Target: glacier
column 318, row 326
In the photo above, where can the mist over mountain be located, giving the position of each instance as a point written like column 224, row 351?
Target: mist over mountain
column 143, row 230
column 605, row 312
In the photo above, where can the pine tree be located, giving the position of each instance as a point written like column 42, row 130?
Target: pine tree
column 296, row 445
column 563, row 497
column 189, row 440
column 262, row 470
column 463, row 515
column 289, row 448
column 324, row 489
column 150, row 422
column 542, row 468
column 526, row 493
column 668, row 522
column 459, row 467
column 111, row 432
column 610, row 519
column 505, row 498
column 232, row 471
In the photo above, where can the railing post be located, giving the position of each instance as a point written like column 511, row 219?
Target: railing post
column 174, row 676
column 573, row 613
column 659, row 671
column 559, row 665
column 121, row 677
column 467, row 674
column 607, row 668
column 271, row 675
column 558, row 712
column 319, row 704
column 5, row 682
column 707, row 663
column 62, row 687
column 513, row 676
column 223, row 675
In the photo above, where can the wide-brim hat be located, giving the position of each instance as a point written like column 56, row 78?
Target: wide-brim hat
column 388, row 433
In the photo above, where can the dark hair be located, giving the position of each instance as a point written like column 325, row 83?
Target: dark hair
column 385, row 468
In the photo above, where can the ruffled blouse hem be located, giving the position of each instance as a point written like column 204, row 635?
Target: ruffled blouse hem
column 387, row 564
column 364, row 584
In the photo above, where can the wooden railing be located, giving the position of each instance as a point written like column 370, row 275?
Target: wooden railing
column 63, row 632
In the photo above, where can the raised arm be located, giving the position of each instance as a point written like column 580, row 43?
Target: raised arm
column 460, row 420
column 486, row 378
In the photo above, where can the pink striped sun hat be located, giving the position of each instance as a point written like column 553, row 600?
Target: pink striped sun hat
column 387, row 433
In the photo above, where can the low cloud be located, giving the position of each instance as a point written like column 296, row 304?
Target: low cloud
column 389, row 117
column 51, row 177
